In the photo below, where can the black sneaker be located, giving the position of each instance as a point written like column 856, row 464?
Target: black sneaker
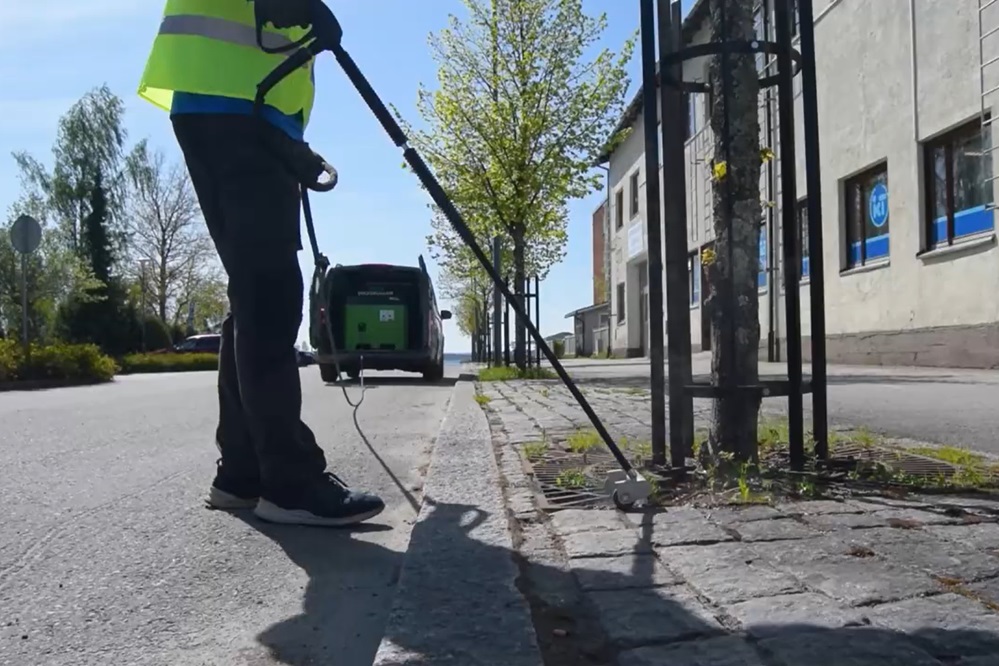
column 326, row 503
column 230, row 492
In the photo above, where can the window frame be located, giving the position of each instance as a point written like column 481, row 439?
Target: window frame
column 763, row 273
column 869, row 174
column 619, row 209
column 622, row 309
column 801, row 217
column 694, row 279
column 948, row 141
column 634, row 200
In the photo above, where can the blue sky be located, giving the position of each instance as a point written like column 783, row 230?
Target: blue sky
column 54, row 51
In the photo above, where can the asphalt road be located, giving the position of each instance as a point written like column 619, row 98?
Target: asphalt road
column 944, row 406
column 108, row 556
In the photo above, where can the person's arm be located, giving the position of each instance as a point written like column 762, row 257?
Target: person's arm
column 285, row 13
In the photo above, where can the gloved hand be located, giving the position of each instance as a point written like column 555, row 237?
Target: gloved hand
column 285, row 13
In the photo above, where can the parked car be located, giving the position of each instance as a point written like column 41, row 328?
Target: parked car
column 207, row 343
column 305, row 358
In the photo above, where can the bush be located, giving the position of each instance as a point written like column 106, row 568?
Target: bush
column 59, row 362
column 157, row 334
column 558, row 346
column 147, row 363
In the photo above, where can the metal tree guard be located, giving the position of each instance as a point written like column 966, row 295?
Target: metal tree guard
column 672, row 55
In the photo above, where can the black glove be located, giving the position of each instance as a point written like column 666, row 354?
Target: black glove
column 285, row 13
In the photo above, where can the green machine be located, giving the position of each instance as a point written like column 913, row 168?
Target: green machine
column 375, row 326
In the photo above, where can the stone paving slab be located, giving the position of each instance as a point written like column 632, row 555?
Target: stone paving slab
column 845, row 647
column 574, row 521
column 721, row 651
column 622, row 572
column 633, row 618
column 781, row 529
column 770, row 616
column 605, row 544
column 869, row 581
column 728, row 573
column 948, row 626
column 680, row 526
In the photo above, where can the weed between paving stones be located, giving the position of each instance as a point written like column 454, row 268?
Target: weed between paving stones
column 860, row 462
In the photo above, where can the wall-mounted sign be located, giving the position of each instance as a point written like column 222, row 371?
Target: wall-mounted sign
column 636, row 241
column 878, row 204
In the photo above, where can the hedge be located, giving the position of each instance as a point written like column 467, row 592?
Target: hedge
column 54, row 363
column 167, row 362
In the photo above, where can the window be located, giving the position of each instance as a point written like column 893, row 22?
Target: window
column 795, row 18
column 691, row 115
column 761, row 278
column 867, row 217
column 620, row 303
column 694, row 278
column 659, row 139
column 760, row 31
column 958, row 185
column 803, row 236
column 619, row 208
column 634, row 194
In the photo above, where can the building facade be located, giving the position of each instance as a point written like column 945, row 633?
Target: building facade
column 600, row 263
column 911, row 265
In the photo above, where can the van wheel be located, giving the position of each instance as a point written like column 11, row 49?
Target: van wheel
column 328, row 373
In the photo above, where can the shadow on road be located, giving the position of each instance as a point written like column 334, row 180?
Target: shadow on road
column 336, row 611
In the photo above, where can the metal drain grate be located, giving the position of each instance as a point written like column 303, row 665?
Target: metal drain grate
column 556, row 466
column 897, row 459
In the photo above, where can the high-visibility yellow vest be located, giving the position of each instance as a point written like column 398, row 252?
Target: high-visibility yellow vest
column 209, row 47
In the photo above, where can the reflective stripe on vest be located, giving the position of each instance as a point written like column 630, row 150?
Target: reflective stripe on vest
column 222, row 30
column 219, row 55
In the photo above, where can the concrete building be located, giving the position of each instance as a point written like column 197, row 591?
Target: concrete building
column 911, row 264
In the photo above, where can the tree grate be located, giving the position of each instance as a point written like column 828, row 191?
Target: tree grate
column 900, row 460
column 566, row 480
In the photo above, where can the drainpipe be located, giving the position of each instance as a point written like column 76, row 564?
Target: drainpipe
column 915, row 73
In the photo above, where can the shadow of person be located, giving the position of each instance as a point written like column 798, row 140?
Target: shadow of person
column 457, row 610
column 346, row 599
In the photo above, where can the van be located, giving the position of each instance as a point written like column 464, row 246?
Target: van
column 383, row 317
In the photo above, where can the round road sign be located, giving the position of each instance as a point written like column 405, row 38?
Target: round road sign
column 26, row 234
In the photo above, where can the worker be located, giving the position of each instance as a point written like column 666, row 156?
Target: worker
column 204, row 67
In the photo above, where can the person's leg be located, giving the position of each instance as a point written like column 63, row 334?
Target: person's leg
column 237, row 479
column 259, row 202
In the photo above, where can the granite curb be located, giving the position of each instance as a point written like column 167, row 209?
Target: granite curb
column 457, row 602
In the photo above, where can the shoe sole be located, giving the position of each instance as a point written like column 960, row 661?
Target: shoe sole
column 272, row 513
column 220, row 499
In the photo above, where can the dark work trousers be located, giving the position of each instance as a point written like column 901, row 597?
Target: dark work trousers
column 251, row 201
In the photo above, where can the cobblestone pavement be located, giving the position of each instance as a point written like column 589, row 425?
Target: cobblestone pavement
column 857, row 582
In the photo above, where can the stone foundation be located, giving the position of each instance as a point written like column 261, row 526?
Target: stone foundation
column 941, row 347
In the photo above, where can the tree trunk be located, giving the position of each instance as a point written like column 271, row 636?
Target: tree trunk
column 734, row 306
column 519, row 281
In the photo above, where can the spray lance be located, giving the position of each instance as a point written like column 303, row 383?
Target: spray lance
column 325, row 35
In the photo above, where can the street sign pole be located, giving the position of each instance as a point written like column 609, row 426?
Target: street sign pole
column 24, row 303
column 25, row 236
